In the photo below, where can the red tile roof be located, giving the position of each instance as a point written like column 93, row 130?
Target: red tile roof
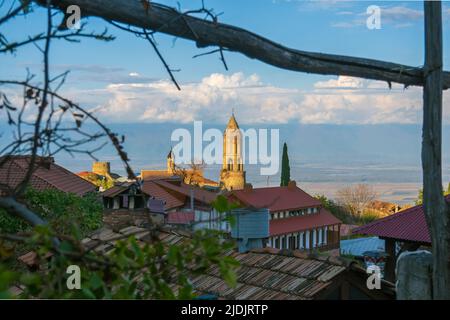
column 276, row 198
column 180, row 217
column 47, row 175
column 301, row 223
column 154, row 190
column 407, row 225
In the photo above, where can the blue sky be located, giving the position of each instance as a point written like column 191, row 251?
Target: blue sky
column 125, row 82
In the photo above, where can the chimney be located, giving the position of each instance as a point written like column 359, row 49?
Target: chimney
column 45, row 162
column 248, row 187
column 292, row 185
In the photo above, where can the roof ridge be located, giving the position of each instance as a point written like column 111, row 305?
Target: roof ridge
column 67, row 172
column 299, row 254
column 389, row 217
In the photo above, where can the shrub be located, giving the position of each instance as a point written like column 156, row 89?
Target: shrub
column 61, row 210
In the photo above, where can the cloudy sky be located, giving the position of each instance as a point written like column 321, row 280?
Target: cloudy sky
column 123, row 81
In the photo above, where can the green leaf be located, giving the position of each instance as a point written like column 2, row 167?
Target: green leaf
column 88, row 293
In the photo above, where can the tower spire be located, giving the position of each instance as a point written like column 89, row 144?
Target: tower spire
column 170, row 162
column 232, row 175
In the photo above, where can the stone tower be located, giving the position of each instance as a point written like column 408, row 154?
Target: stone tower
column 170, row 162
column 232, row 175
column 102, row 168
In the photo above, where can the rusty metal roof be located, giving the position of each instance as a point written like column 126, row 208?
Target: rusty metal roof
column 263, row 273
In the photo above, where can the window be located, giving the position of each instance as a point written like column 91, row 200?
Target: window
column 277, row 242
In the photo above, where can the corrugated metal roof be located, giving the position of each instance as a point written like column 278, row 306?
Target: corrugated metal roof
column 407, row 225
column 357, row 247
column 262, row 274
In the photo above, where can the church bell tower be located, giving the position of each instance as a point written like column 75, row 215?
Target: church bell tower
column 232, row 175
column 170, row 162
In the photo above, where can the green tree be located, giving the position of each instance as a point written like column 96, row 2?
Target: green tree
column 285, row 168
column 344, row 214
column 419, row 199
column 61, row 210
column 135, row 268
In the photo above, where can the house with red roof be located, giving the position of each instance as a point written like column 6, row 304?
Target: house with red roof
column 46, row 174
column 297, row 220
column 406, row 229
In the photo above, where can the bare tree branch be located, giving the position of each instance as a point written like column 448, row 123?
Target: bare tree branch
column 161, row 18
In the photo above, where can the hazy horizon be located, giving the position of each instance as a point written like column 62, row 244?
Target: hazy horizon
column 323, row 158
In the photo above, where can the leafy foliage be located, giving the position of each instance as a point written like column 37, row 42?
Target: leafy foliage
column 63, row 211
column 132, row 270
column 419, row 199
column 345, row 215
column 223, row 206
column 100, row 181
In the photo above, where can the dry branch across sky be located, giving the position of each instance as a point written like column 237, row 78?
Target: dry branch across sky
column 160, row 18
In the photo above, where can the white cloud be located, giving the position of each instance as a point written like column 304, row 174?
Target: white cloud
column 340, row 100
column 397, row 16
